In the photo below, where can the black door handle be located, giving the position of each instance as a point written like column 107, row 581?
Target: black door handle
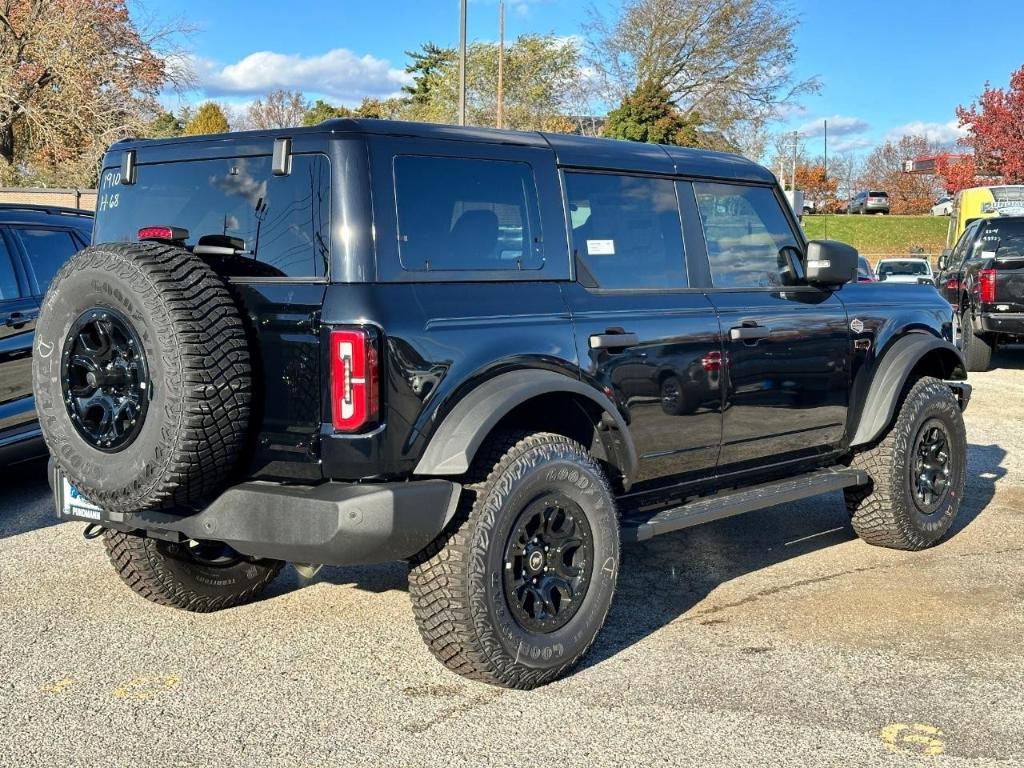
column 613, row 340
column 16, row 320
column 749, row 332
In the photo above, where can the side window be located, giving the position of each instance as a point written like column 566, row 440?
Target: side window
column 466, row 215
column 960, row 251
column 745, row 229
column 8, row 279
column 626, row 231
column 47, row 251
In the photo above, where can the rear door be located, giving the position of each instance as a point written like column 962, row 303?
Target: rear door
column 18, row 313
column 643, row 334
column 786, row 344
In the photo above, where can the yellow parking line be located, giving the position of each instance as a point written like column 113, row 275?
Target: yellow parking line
column 914, row 738
column 143, row 688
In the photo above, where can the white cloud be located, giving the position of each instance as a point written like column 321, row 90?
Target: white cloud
column 838, row 125
column 851, row 144
column 339, row 74
column 940, row 133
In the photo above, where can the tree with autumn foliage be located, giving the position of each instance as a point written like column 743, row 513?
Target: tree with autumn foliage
column 209, row 118
column 817, row 186
column 75, row 76
column 957, row 172
column 909, row 193
column 995, row 129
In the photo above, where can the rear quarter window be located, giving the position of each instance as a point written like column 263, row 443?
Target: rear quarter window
column 466, row 215
column 283, row 221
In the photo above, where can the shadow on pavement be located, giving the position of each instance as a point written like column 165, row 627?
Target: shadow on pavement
column 665, row 578
column 25, row 501
column 1010, row 358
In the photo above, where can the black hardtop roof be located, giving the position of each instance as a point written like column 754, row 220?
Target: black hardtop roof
column 26, row 213
column 570, row 150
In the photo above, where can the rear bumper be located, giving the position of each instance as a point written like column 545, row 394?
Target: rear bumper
column 1002, row 322
column 330, row 524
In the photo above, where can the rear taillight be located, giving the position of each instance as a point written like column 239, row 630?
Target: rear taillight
column 354, row 376
column 987, row 286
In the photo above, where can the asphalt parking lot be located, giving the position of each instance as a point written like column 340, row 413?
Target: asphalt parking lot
column 773, row 639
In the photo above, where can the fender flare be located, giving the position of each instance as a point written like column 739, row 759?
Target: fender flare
column 889, row 379
column 455, row 442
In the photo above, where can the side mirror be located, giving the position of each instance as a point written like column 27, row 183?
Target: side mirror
column 831, row 263
column 944, row 258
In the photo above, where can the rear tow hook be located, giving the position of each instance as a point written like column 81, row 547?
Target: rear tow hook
column 93, row 531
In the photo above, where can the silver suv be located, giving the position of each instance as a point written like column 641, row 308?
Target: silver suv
column 870, row 202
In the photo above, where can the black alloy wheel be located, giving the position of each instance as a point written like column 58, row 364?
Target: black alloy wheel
column 931, row 465
column 105, row 379
column 549, row 559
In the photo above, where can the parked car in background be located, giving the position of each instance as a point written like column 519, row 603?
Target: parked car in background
column 943, row 206
column 905, row 271
column 865, row 274
column 34, row 242
column 870, row 202
column 983, row 278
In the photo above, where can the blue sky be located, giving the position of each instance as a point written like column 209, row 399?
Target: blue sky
column 880, row 62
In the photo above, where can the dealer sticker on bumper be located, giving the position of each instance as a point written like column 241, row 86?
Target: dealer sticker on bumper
column 75, row 505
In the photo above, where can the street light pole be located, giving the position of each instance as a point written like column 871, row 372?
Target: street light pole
column 462, row 62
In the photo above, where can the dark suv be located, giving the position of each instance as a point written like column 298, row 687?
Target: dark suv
column 495, row 355
column 34, row 242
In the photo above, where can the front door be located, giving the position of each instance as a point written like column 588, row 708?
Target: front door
column 787, row 344
column 642, row 335
column 18, row 313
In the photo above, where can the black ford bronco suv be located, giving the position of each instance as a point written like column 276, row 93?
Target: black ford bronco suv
column 495, row 355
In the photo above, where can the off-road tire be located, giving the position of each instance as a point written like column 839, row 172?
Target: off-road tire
column 977, row 349
column 164, row 573
column 456, row 582
column 199, row 365
column 885, row 512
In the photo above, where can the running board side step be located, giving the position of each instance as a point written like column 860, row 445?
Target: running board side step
column 737, row 501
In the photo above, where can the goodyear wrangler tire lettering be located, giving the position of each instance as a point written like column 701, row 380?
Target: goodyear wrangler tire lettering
column 177, row 314
column 516, row 589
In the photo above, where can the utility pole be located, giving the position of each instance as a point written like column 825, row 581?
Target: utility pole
column 462, row 62
column 501, row 63
column 792, row 184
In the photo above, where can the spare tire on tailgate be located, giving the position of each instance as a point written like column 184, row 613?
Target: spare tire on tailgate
column 141, row 376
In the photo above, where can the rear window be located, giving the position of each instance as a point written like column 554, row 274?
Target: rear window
column 283, row 221
column 878, row 194
column 903, row 268
column 1002, row 239
column 457, row 214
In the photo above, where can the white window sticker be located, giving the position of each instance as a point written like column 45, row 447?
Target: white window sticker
column 601, row 247
column 988, row 254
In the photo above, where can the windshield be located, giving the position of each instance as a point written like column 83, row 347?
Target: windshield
column 864, row 268
column 888, row 268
